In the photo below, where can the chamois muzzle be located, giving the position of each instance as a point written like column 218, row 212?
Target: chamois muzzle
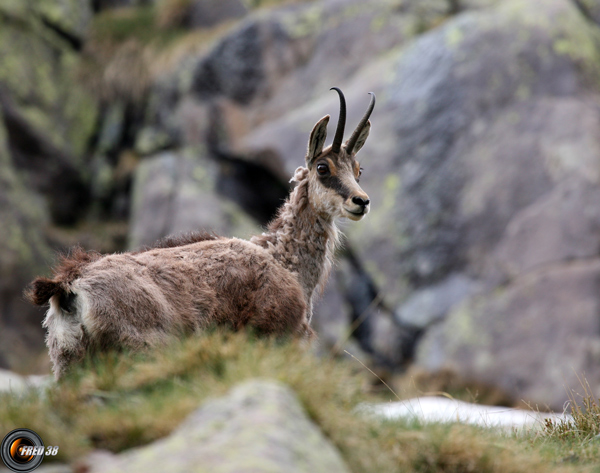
column 357, row 206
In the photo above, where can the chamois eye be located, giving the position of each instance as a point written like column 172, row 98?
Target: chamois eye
column 323, row 169
column 359, row 174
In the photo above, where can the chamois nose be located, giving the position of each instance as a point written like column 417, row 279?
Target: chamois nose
column 360, row 201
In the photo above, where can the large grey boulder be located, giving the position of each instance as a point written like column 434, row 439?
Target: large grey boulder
column 258, row 427
column 498, row 152
column 481, row 111
column 489, row 172
column 430, row 305
column 277, row 60
column 536, row 338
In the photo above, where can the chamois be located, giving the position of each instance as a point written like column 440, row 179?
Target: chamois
column 185, row 284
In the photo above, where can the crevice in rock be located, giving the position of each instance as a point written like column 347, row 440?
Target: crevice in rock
column 101, row 5
column 255, row 187
column 47, row 168
column 585, row 11
column 115, row 202
column 96, row 6
column 72, row 40
column 363, row 297
column 366, row 302
column 252, row 186
column 75, row 42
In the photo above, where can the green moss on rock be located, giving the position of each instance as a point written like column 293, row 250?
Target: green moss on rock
column 38, row 67
column 24, row 251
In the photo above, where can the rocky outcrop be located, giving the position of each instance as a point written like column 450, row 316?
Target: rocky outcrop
column 532, row 338
column 259, row 426
column 498, row 158
column 38, row 68
column 24, row 253
column 45, row 123
column 473, row 115
column 590, row 8
column 482, row 164
column 44, row 167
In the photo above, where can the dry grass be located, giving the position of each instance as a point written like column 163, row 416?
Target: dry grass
column 117, row 58
column 585, row 411
column 418, row 382
column 576, row 440
column 172, row 13
column 119, row 401
column 128, row 48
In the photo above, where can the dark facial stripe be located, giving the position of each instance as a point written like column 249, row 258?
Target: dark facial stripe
column 335, row 183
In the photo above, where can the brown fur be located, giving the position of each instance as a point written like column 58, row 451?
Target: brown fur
column 185, row 284
column 41, row 290
column 183, row 239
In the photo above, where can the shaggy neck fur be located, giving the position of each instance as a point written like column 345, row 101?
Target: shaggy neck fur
column 302, row 240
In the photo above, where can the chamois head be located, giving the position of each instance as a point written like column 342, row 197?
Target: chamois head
column 334, row 172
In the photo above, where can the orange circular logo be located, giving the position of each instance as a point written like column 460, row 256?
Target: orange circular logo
column 22, row 450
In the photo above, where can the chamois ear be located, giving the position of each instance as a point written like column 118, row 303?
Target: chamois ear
column 317, row 140
column 364, row 134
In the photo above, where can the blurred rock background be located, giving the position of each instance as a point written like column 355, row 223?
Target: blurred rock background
column 123, row 121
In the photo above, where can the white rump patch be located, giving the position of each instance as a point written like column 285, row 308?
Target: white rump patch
column 64, row 328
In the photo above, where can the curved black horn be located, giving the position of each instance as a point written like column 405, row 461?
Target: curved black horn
column 339, row 132
column 361, row 124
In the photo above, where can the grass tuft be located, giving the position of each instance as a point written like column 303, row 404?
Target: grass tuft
column 576, row 440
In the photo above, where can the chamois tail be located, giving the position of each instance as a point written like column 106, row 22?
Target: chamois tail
column 42, row 289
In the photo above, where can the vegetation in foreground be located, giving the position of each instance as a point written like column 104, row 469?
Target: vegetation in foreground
column 117, row 402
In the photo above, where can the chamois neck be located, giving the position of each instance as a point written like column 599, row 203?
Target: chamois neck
column 300, row 239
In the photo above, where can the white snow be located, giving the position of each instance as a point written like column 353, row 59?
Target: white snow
column 445, row 410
